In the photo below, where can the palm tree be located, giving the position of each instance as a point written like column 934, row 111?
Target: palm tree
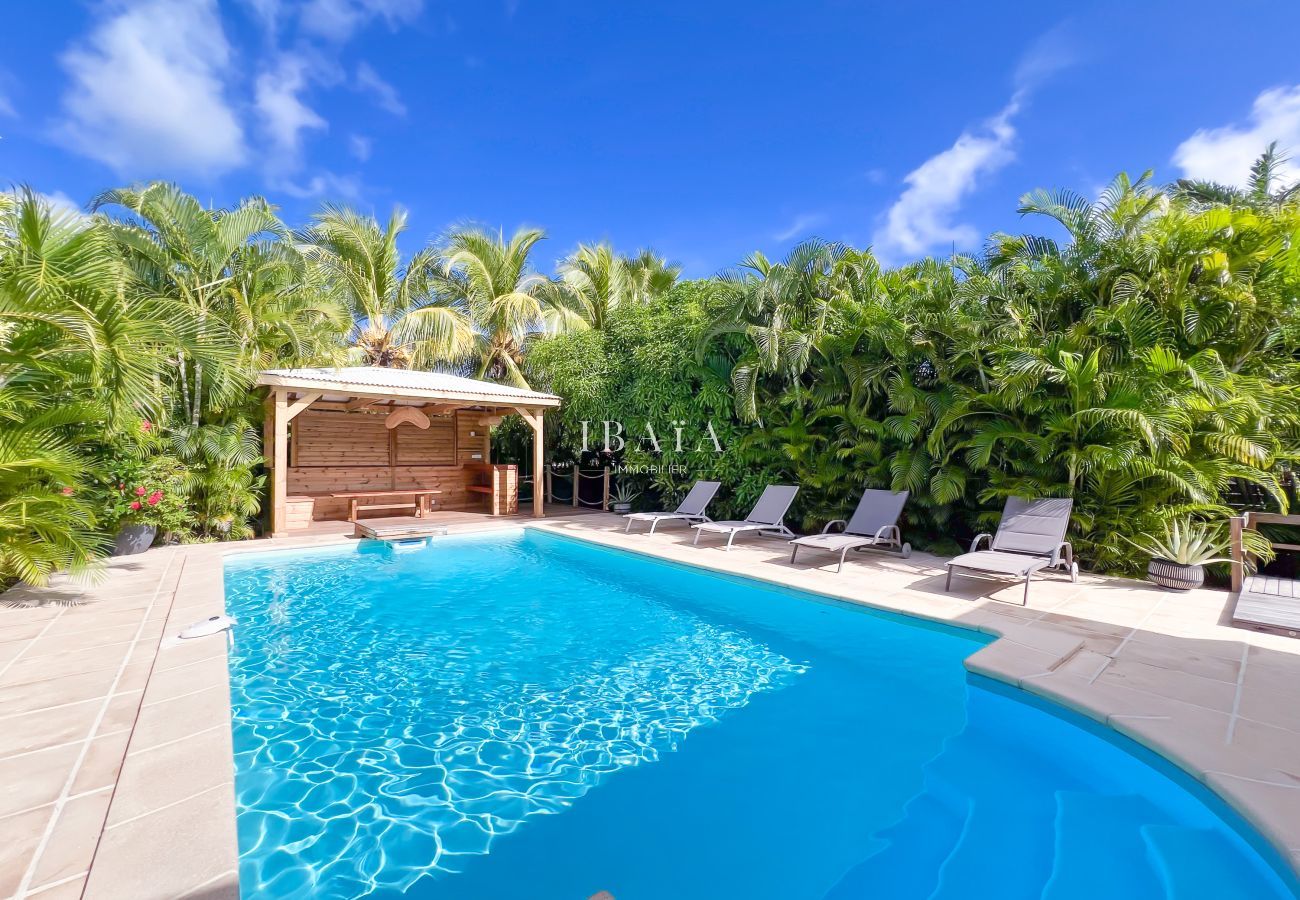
column 399, row 317
column 187, row 254
column 76, row 362
column 490, row 282
column 781, row 309
column 595, row 279
column 1262, row 191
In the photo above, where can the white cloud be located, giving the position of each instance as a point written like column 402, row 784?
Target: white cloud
column 1224, row 154
column 799, row 226
column 384, row 94
column 147, row 95
column 58, row 202
column 922, row 217
column 359, row 147
column 338, row 20
column 322, row 184
column 282, row 114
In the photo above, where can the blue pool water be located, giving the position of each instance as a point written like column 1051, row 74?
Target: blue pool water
column 520, row 715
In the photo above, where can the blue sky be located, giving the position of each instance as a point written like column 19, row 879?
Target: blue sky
column 705, row 129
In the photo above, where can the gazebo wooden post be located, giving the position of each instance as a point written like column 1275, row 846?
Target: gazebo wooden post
column 282, row 412
column 539, row 461
column 280, row 462
column 537, row 419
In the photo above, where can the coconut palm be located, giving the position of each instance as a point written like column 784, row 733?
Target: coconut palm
column 595, row 279
column 399, row 317
column 491, row 284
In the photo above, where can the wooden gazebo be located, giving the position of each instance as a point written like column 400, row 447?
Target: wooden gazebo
column 344, row 443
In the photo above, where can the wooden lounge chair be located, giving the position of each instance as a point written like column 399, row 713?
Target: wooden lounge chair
column 690, row 510
column 874, row 524
column 767, row 516
column 1030, row 538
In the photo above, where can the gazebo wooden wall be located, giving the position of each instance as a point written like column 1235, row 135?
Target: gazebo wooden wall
column 336, row 449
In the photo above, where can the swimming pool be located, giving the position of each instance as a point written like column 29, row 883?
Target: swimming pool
column 517, row 714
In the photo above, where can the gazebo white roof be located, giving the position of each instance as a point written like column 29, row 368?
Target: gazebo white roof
column 402, row 384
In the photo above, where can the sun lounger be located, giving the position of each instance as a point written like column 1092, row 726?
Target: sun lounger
column 766, row 517
column 1030, row 538
column 690, row 510
column 873, row 524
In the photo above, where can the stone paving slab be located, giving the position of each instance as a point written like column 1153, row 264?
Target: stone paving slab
column 117, row 735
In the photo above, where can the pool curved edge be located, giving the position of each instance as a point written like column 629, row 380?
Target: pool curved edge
column 1263, row 801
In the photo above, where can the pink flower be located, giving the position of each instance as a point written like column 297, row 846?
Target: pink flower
column 140, row 491
column 121, row 487
column 135, row 504
column 154, row 498
column 146, row 425
column 67, row 492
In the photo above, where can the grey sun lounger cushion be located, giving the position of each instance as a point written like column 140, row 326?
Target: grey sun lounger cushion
column 768, row 515
column 1030, row 537
column 874, row 524
column 691, row 509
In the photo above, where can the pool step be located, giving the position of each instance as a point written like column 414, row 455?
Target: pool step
column 907, row 867
column 1004, row 852
column 1094, row 858
column 1191, row 864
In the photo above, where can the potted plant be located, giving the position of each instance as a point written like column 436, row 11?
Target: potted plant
column 622, row 496
column 1179, row 555
column 141, row 498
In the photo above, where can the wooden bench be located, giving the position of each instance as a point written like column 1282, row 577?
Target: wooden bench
column 420, row 501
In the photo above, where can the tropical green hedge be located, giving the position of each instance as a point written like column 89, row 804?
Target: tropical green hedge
column 1147, row 365
column 1140, row 354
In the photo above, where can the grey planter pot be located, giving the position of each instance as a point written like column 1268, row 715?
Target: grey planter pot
column 622, row 507
column 1175, row 576
column 133, row 539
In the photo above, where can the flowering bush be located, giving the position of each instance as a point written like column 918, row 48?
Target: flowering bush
column 145, row 491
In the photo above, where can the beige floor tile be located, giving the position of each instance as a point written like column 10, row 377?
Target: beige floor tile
column 152, row 779
column 166, row 853
column 1182, row 659
column 21, row 631
column 211, row 672
column 101, row 619
column 72, row 843
column 1206, row 692
column 61, row 643
column 64, row 889
column 1203, row 645
column 192, row 651
column 20, row 698
column 102, row 762
column 181, row 718
column 1274, row 809
column 35, row 779
column 47, row 728
column 30, row 671
column 22, row 834
column 1275, row 747
column 1010, row 662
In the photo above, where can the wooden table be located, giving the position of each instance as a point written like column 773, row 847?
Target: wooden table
column 420, row 501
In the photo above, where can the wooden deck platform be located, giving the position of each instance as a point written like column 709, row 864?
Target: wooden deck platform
column 389, row 528
column 1270, row 603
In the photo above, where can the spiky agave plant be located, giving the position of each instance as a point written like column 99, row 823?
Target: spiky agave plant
column 1186, row 541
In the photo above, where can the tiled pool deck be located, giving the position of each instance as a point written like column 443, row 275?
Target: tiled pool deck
column 115, row 756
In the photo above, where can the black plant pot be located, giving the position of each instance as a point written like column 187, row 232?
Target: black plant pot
column 1175, row 576
column 132, row 539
